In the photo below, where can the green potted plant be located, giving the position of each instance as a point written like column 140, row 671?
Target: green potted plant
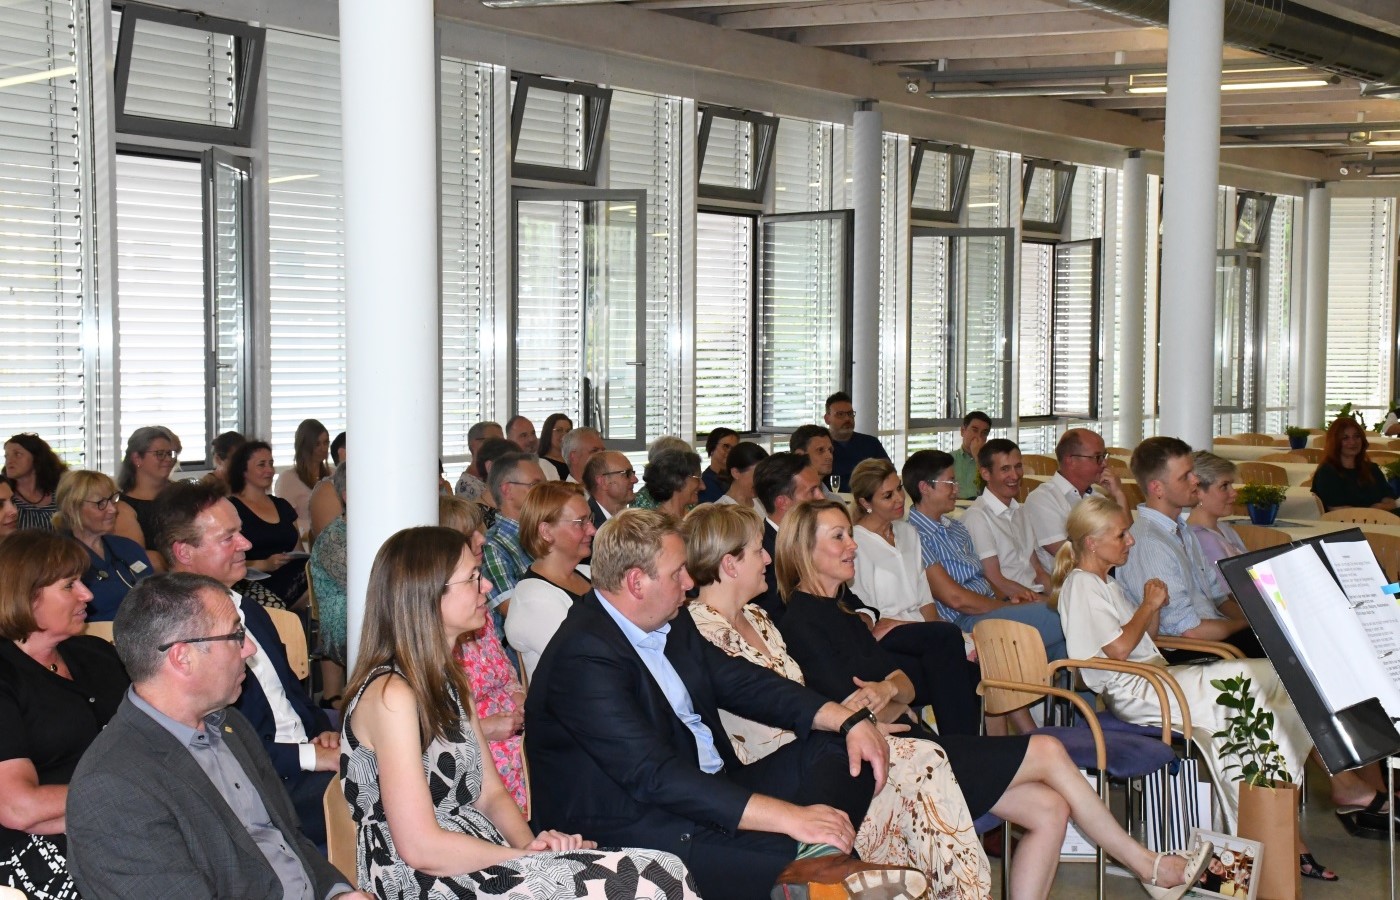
column 1297, row 437
column 1262, row 501
column 1392, row 475
column 1268, row 796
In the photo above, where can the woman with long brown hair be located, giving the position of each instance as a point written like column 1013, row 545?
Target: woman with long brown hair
column 433, row 818
column 33, row 471
column 552, row 444
column 1345, row 477
column 312, row 445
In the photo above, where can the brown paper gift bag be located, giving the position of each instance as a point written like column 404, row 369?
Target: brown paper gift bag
column 1270, row 816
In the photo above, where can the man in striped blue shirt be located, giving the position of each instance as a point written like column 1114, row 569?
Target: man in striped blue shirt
column 960, row 587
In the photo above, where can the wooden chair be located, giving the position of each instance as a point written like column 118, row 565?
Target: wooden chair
column 1028, row 484
column 1306, row 482
column 1118, row 451
column 1195, row 645
column 340, row 830
column 1256, row 537
column 1387, row 444
column 99, row 629
column 1133, row 494
column 1016, row 674
column 1037, row 464
column 1254, row 439
column 293, row 636
column 1361, row 515
column 1387, row 550
column 1229, row 442
column 1381, row 457
column 1262, row 473
column 1120, row 466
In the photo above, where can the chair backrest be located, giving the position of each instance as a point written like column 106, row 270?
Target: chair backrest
column 1132, row 492
column 1010, row 651
column 1290, row 456
column 1119, row 465
column 1254, row 439
column 1263, row 473
column 1229, row 442
column 294, row 637
column 1392, row 444
column 1387, row 550
column 1382, row 457
column 1039, row 464
column 1028, row 484
column 96, row 629
column 1361, row 515
column 1118, row 451
column 340, row 830
column 1256, row 537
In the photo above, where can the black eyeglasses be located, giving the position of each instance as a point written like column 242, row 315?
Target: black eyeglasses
column 1096, row 457
column 105, row 503
column 625, row 473
column 238, row 637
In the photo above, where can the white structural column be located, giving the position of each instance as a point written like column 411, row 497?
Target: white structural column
column 867, row 134
column 1319, row 238
column 388, row 69
column 1134, row 281
column 1195, row 43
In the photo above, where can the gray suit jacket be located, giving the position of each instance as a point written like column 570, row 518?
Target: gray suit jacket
column 144, row 821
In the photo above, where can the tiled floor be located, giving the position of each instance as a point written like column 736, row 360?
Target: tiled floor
column 1360, row 863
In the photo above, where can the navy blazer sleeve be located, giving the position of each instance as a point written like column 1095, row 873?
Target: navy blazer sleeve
column 252, row 702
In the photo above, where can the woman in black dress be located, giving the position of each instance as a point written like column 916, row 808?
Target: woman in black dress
column 58, row 688
column 1030, row 781
column 1345, row 477
column 269, row 523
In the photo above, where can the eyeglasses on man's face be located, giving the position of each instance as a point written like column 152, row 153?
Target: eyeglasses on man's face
column 625, row 473
column 1099, row 458
column 238, row 637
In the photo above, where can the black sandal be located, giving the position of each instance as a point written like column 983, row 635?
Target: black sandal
column 1367, row 821
column 1309, row 867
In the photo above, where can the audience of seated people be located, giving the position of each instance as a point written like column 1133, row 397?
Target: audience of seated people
column 552, row 432
column 718, row 443
column 87, row 512
column 269, row 523
column 472, row 482
column 1167, row 550
column 1000, row 529
column 870, row 615
column 611, row 484
column 1346, row 477
column 58, row 690
column 814, row 442
column 33, row 471
column 960, row 587
column 849, row 447
column 152, row 452
column 976, row 427
column 1082, row 462
column 312, row 444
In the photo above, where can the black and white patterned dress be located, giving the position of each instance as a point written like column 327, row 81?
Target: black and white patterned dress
column 453, row 768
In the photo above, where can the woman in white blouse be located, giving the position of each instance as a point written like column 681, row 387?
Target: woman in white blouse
column 556, row 528
column 890, row 579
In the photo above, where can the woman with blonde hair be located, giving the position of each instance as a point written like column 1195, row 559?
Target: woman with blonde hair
column 432, row 816
column 556, row 528
column 87, row 512
column 1030, row 781
column 495, row 684
column 920, row 819
column 1100, row 621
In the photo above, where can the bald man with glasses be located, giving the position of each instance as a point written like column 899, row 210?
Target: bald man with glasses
column 1083, row 463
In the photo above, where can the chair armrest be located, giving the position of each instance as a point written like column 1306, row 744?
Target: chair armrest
column 1100, row 754
column 1214, row 648
column 1160, row 679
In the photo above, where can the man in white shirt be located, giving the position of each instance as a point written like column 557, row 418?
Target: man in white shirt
column 1000, row 530
column 611, row 482
column 199, row 531
column 578, row 445
column 1083, row 463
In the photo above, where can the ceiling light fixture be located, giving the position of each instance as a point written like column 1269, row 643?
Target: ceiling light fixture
column 1280, row 85
column 1027, row 90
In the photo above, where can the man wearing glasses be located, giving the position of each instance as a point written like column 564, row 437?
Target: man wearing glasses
column 504, row 559
column 199, row 532
column 611, row 484
column 177, row 797
column 1083, row 463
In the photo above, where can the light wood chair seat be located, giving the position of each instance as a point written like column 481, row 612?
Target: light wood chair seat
column 1038, row 464
column 1262, row 473
column 1256, row 537
column 1361, row 515
column 1254, row 439
column 1229, row 442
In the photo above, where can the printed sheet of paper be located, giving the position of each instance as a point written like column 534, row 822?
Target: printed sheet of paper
column 1304, row 597
column 1362, row 580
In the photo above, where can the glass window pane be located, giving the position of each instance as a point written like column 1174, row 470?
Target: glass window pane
column 549, row 308
column 552, row 130
column 723, row 313
column 985, row 349
column 230, row 284
column 729, row 154
column 1033, row 355
column 181, row 74
column 931, row 302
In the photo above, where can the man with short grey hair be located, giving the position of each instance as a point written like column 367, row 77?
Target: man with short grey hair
column 176, row 798
column 578, row 445
column 505, row 560
column 610, row 481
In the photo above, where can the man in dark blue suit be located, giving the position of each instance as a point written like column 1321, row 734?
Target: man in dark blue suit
column 199, row 531
column 626, row 743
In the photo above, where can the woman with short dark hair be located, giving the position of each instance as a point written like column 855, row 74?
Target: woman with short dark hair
column 716, row 475
column 673, row 481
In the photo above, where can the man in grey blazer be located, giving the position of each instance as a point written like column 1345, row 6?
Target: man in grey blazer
column 176, row 797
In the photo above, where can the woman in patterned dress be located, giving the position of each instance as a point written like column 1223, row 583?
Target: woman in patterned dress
column 433, row 818
column 920, row 819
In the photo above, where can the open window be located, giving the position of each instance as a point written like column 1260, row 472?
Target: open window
column 1252, row 213
column 556, row 129
column 1045, row 193
column 186, row 75
column 938, row 174
column 735, row 153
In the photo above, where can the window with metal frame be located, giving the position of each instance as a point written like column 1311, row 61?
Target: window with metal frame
column 306, row 234
column 557, row 128
column 734, row 149
column 1252, row 212
column 46, row 314
column 1045, row 193
column 186, row 75
column 938, row 174
column 1275, row 396
column 1361, row 284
